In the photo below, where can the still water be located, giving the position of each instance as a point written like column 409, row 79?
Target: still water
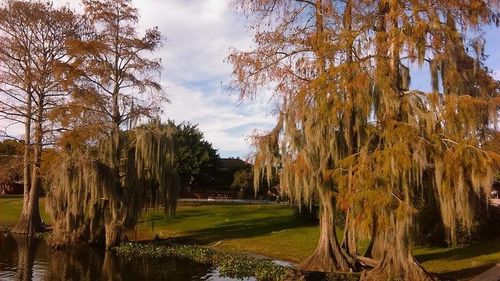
column 27, row 259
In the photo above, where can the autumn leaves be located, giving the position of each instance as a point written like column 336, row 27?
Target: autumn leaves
column 354, row 138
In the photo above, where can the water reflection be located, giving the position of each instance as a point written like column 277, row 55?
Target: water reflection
column 26, row 259
column 26, row 251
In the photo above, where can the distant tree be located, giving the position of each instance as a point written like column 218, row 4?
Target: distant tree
column 10, row 147
column 243, row 179
column 196, row 159
column 11, row 164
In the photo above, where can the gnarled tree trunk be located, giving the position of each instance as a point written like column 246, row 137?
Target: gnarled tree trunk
column 114, row 233
column 397, row 262
column 30, row 221
column 349, row 239
column 370, row 250
column 328, row 256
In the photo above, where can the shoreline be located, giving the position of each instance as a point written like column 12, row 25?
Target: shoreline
column 230, row 263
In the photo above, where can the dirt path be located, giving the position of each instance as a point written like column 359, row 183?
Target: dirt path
column 493, row 274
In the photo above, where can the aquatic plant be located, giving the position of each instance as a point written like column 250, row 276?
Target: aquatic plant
column 229, row 264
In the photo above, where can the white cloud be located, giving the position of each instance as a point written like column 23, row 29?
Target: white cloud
column 199, row 34
column 224, row 124
column 496, row 74
column 11, row 129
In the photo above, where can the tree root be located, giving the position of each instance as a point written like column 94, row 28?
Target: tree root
column 387, row 269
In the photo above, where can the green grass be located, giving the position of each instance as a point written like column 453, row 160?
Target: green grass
column 268, row 230
column 464, row 262
column 10, row 209
column 273, row 231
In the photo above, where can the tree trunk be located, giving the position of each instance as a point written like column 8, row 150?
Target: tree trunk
column 30, row 221
column 394, row 240
column 112, row 224
column 397, row 261
column 26, row 156
column 113, row 234
column 373, row 239
column 349, row 239
column 328, row 256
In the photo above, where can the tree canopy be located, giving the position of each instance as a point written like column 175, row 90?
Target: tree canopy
column 115, row 167
column 195, row 158
column 34, row 36
column 351, row 131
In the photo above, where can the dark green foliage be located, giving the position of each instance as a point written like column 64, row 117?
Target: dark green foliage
column 243, row 181
column 10, row 147
column 195, row 158
column 11, row 160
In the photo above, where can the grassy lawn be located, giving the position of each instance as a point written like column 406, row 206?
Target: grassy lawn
column 273, row 231
column 269, row 230
column 10, row 209
column 464, row 262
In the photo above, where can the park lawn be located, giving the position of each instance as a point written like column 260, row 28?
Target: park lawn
column 464, row 262
column 270, row 230
column 274, row 231
column 11, row 207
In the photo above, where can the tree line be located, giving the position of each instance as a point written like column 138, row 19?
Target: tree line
column 352, row 134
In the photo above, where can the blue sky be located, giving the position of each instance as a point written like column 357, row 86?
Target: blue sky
column 199, row 34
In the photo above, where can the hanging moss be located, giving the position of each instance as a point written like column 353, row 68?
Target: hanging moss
column 354, row 137
column 94, row 199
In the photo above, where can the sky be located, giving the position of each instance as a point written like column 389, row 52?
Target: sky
column 199, row 35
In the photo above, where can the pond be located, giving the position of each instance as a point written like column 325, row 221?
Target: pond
column 27, row 259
